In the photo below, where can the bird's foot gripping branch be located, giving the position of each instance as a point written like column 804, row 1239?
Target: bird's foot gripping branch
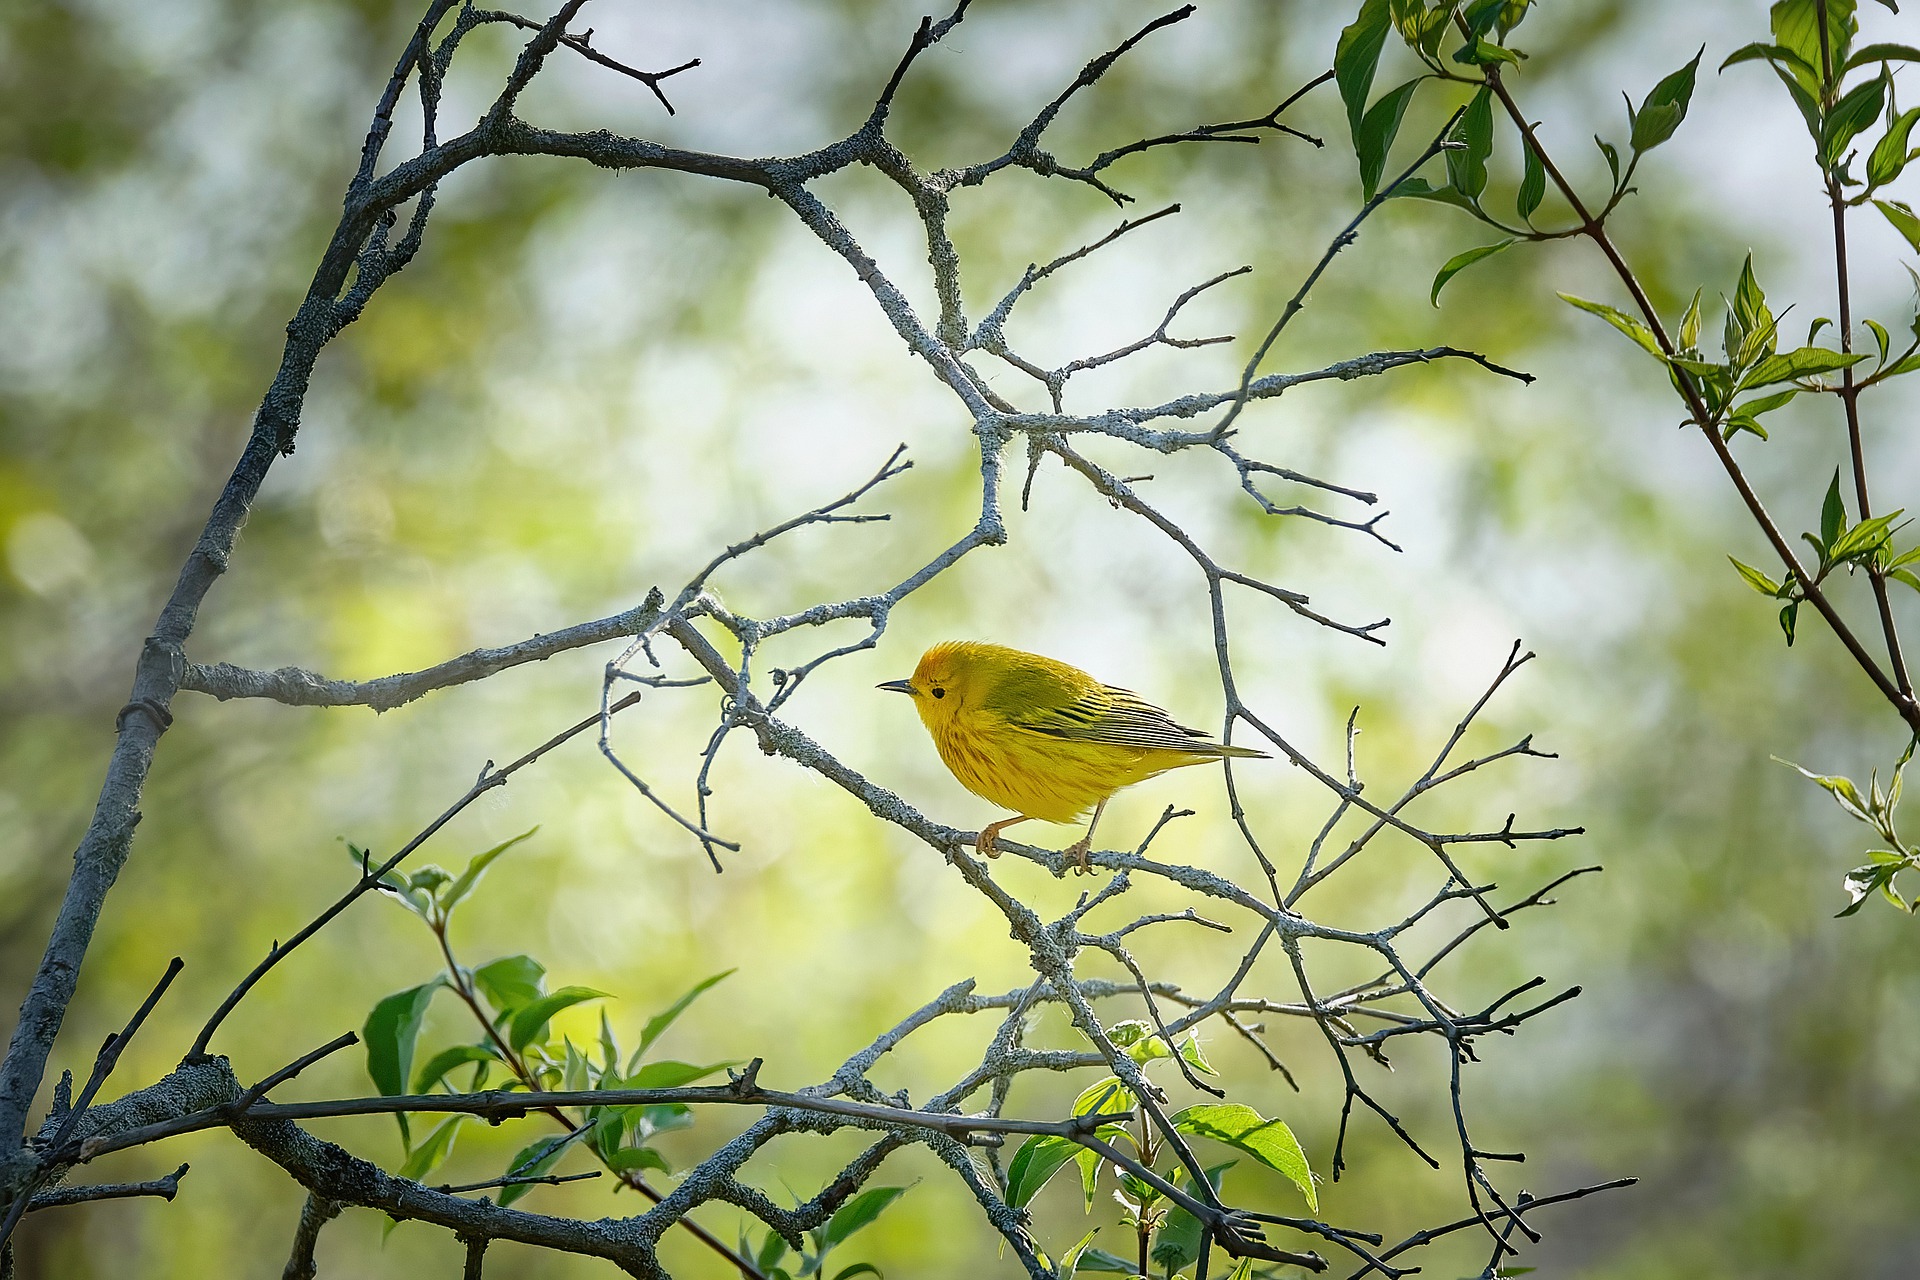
column 1152, row 1119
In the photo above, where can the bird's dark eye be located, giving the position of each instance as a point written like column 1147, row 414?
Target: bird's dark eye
column 939, row 693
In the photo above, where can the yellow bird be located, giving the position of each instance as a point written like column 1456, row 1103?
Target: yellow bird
column 1042, row 738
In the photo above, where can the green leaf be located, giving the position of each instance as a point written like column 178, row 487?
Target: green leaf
column 1757, row 580
column 1881, row 338
column 1070, row 1260
column 1901, row 367
column 1190, row 1050
column 573, row 1076
column 1139, row 1192
column 1864, row 538
column 530, row 1022
column 432, row 1151
column 536, row 1160
column 1090, row 1161
column 1421, row 189
column 390, row 1032
column 1903, row 218
column 1833, row 516
column 1905, row 575
column 665, row 1116
column 1481, row 52
column 658, row 1024
column 1889, row 155
column 1378, row 129
column 1482, row 16
column 1106, row 1097
column 1793, row 62
column 447, row 1060
column 859, row 1211
column 1690, row 324
column 1101, row 1260
column 610, row 1126
column 511, row 982
column 1270, row 1142
column 1845, row 794
column 1877, row 876
column 1664, row 107
column 1420, row 27
column 1860, row 107
column 1178, row 1241
column 609, row 1048
column 857, row 1269
column 1034, row 1164
column 1142, row 1043
column 1807, row 100
column 771, row 1251
column 476, row 868
column 1467, row 167
column 393, row 882
column 428, row 879
column 1788, row 616
column 627, row 1159
column 1460, row 262
column 1802, row 362
column 1356, row 58
column 1883, row 53
column 1621, row 321
column 1749, row 304
column 1700, row 368
column 672, row 1075
column 1765, row 404
column 1759, row 343
column 1612, row 157
column 1796, row 26
column 1533, row 183
column 1858, row 884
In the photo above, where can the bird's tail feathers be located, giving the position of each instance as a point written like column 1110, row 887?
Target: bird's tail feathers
column 1239, row 752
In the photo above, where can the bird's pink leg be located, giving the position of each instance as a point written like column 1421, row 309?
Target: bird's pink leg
column 1081, row 848
column 988, row 841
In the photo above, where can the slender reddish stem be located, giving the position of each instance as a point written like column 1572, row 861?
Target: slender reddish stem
column 1901, row 697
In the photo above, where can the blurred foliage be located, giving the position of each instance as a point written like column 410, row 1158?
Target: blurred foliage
column 587, row 383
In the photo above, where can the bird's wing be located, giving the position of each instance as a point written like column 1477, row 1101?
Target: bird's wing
column 1116, row 717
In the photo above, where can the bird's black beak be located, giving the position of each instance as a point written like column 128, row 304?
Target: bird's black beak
column 897, row 686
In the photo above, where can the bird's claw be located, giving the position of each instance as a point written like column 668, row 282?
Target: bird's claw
column 987, row 843
column 1079, row 853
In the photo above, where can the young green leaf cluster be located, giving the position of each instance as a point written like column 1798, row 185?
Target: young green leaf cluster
column 1874, row 807
column 1846, row 96
column 1165, row 1232
column 514, row 1011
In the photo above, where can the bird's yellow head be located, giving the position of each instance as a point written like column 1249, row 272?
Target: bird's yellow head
column 953, row 676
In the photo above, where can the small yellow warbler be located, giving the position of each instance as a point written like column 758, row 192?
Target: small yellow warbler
column 1042, row 738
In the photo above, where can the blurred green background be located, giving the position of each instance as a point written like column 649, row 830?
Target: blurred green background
column 588, row 382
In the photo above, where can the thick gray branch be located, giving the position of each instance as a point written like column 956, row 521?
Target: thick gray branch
column 300, row 688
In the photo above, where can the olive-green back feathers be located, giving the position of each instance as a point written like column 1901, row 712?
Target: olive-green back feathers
column 1045, row 696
